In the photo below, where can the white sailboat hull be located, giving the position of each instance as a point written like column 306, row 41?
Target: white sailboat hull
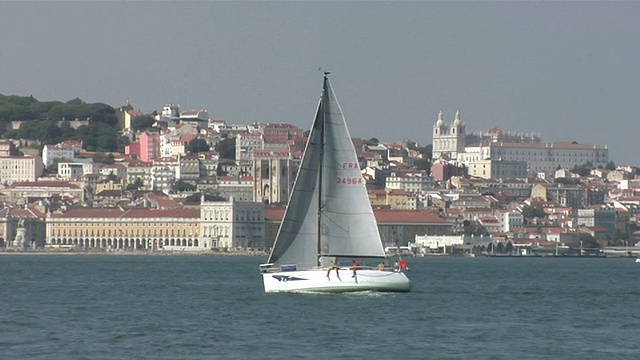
column 317, row 281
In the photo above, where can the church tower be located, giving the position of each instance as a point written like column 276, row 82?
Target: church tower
column 448, row 142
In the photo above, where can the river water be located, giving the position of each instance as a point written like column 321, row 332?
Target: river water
column 214, row 307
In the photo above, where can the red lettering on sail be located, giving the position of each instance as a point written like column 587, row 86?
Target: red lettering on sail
column 349, row 180
column 350, row 166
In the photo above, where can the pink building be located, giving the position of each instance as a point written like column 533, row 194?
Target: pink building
column 133, row 149
column 149, row 146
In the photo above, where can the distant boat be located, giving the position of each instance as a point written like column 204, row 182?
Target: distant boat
column 638, row 260
column 328, row 218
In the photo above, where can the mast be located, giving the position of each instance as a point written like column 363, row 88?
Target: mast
column 321, row 162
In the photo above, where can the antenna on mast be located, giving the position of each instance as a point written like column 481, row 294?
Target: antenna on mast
column 325, row 72
column 185, row 91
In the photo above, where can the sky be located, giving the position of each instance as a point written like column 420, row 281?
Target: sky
column 563, row 70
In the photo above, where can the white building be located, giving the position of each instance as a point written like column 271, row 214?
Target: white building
column 60, row 152
column 70, row 170
column 140, row 171
column 20, row 168
column 232, row 224
column 411, row 181
column 497, row 152
column 448, row 142
column 246, row 144
column 164, row 174
column 510, row 220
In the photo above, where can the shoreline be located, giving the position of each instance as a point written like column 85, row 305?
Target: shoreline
column 41, row 252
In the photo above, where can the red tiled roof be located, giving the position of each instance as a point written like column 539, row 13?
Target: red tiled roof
column 274, row 213
column 81, row 212
column 114, row 213
column 153, row 213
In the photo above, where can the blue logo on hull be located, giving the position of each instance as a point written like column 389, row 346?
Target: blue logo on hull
column 287, row 278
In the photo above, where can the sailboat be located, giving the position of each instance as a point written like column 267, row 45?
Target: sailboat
column 328, row 218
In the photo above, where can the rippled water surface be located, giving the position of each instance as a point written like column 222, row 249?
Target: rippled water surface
column 214, row 307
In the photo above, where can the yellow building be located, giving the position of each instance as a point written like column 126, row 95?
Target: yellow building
column 116, row 228
column 398, row 199
column 212, row 225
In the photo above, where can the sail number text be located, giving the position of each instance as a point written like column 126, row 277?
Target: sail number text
column 349, row 181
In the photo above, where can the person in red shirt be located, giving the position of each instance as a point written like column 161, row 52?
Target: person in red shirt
column 355, row 267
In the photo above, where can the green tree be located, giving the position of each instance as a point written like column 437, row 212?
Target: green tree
column 226, row 148
column 533, row 211
column 588, row 241
column 610, row 166
column 423, row 164
column 142, row 122
column 137, row 184
column 583, row 170
column 198, row 146
column 181, row 186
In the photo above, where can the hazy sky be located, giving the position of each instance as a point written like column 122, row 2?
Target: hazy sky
column 566, row 70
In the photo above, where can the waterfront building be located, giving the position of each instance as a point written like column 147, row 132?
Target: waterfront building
column 598, row 216
column 212, row 225
column 117, row 228
column 233, row 224
column 399, row 227
column 22, row 228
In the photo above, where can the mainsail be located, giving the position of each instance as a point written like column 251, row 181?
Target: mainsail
column 329, row 213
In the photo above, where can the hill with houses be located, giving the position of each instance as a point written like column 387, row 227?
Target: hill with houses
column 180, row 180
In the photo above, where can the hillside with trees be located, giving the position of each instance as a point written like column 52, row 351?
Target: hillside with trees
column 49, row 122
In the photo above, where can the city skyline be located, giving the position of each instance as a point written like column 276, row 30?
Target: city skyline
column 564, row 70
